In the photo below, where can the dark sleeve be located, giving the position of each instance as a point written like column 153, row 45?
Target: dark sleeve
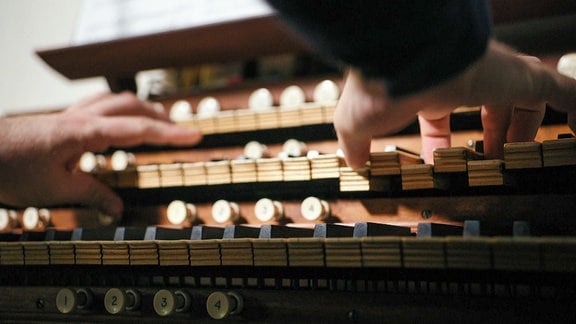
column 410, row 45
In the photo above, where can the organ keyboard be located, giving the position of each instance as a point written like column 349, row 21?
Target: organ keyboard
column 264, row 222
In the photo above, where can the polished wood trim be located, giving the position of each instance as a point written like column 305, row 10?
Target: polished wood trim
column 122, row 58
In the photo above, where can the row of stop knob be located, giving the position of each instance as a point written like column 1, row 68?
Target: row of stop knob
column 31, row 218
column 265, row 209
column 166, row 302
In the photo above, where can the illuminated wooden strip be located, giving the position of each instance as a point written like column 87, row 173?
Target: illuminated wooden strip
column 383, row 166
column 293, row 111
column 529, row 254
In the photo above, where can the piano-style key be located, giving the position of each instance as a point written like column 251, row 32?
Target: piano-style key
column 428, row 229
column 362, row 229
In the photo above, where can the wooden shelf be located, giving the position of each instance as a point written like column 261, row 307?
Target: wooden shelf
column 119, row 60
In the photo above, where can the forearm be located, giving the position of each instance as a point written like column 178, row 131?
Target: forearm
column 411, row 45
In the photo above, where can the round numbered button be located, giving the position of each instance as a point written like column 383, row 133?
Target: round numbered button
column 221, row 305
column 167, row 302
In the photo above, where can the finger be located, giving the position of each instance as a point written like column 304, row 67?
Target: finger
column 356, row 149
column 435, row 133
column 92, row 193
column 501, row 77
column 495, row 121
column 130, row 131
column 525, row 123
column 124, row 104
column 89, row 100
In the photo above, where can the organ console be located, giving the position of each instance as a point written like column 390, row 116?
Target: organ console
column 264, row 222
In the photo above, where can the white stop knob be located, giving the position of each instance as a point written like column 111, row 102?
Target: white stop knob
column 268, row 210
column 260, row 99
column 122, row 160
column 314, row 209
column 179, row 212
column 181, row 110
column 292, row 96
column 225, row 211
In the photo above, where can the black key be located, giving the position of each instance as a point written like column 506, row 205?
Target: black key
column 9, row 237
column 362, row 229
column 163, row 233
column 239, row 231
column 32, row 236
column 333, row 230
column 206, row 233
column 277, row 231
column 437, row 230
column 56, row 235
column 93, row 234
column 521, row 228
column 474, row 228
column 129, row 234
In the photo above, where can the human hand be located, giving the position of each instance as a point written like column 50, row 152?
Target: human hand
column 512, row 90
column 39, row 153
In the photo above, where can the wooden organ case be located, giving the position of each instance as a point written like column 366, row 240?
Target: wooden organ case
column 302, row 237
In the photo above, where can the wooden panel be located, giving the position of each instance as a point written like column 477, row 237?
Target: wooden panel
column 236, row 41
column 119, row 60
